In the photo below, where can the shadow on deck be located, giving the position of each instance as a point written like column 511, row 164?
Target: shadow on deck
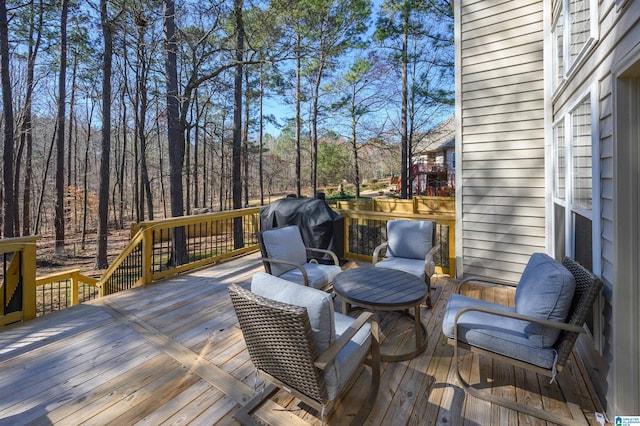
column 172, row 353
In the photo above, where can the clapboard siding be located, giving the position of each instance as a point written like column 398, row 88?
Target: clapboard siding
column 502, row 131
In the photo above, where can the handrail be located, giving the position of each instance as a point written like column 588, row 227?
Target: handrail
column 122, row 257
column 70, row 293
column 209, row 238
column 373, row 225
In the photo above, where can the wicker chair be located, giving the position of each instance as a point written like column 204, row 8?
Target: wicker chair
column 285, row 255
column 496, row 325
column 410, row 248
column 316, row 365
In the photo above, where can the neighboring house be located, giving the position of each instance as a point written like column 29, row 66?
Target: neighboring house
column 434, row 159
column 548, row 154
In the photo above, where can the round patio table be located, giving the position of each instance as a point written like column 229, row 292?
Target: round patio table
column 380, row 289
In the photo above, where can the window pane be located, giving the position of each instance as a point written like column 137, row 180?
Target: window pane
column 580, row 26
column 583, row 252
column 559, row 231
column 558, row 48
column 581, row 152
column 560, row 159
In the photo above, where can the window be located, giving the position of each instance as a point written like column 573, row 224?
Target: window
column 573, row 178
column 573, row 32
column 575, row 191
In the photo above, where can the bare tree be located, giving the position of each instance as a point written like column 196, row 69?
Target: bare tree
column 7, row 107
column 237, row 124
column 105, row 152
column 174, row 134
column 60, row 121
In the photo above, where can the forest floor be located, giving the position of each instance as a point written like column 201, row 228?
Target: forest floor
column 75, row 256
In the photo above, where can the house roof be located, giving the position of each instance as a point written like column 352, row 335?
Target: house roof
column 439, row 138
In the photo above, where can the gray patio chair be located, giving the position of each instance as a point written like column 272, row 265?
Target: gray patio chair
column 410, row 248
column 285, row 255
column 299, row 344
column 552, row 301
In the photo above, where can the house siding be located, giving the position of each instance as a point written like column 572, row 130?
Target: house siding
column 505, row 112
column 618, row 35
column 501, row 128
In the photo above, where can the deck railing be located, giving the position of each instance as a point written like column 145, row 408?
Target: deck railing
column 61, row 290
column 17, row 282
column 153, row 253
column 365, row 230
column 167, row 247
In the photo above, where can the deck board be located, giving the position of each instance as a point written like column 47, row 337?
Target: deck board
column 172, row 353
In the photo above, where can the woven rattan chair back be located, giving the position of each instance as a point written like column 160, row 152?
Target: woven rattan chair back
column 588, row 287
column 280, row 341
column 263, row 253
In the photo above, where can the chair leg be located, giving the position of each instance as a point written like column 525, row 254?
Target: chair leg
column 523, row 408
column 374, row 363
column 428, row 301
column 243, row 415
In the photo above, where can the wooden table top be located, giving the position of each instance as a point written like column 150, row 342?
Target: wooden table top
column 380, row 288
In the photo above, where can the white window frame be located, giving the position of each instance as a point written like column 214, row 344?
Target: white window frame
column 569, row 68
column 567, row 203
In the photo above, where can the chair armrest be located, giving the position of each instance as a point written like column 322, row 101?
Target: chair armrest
column 485, row 281
column 428, row 258
column 376, row 252
column 329, row 252
column 328, row 356
column 553, row 324
column 295, row 265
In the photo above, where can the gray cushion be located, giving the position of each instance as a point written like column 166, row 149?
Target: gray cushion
column 545, row 291
column 318, row 303
column 319, row 275
column 326, row 324
column 409, row 238
column 350, row 357
column 412, row 266
column 497, row 334
column 284, row 244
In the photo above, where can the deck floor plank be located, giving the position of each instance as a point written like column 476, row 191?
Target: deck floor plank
column 172, row 353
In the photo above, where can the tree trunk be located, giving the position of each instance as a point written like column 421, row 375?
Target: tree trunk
column 44, row 182
column 27, row 125
column 70, row 143
column 174, row 133
column 354, row 142
column 298, row 117
column 62, row 77
column 142, row 105
column 196, row 145
column 8, row 200
column 103, row 192
column 85, row 179
column 245, row 142
column 314, row 129
column 237, row 125
column 404, row 194
column 260, row 141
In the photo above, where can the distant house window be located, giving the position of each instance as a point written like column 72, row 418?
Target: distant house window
column 573, row 32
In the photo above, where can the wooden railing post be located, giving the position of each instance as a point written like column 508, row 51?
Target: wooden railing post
column 28, row 281
column 147, row 248
column 74, row 288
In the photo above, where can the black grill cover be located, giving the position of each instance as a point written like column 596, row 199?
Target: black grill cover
column 320, row 226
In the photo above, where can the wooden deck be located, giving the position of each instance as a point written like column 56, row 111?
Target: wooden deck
column 171, row 353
